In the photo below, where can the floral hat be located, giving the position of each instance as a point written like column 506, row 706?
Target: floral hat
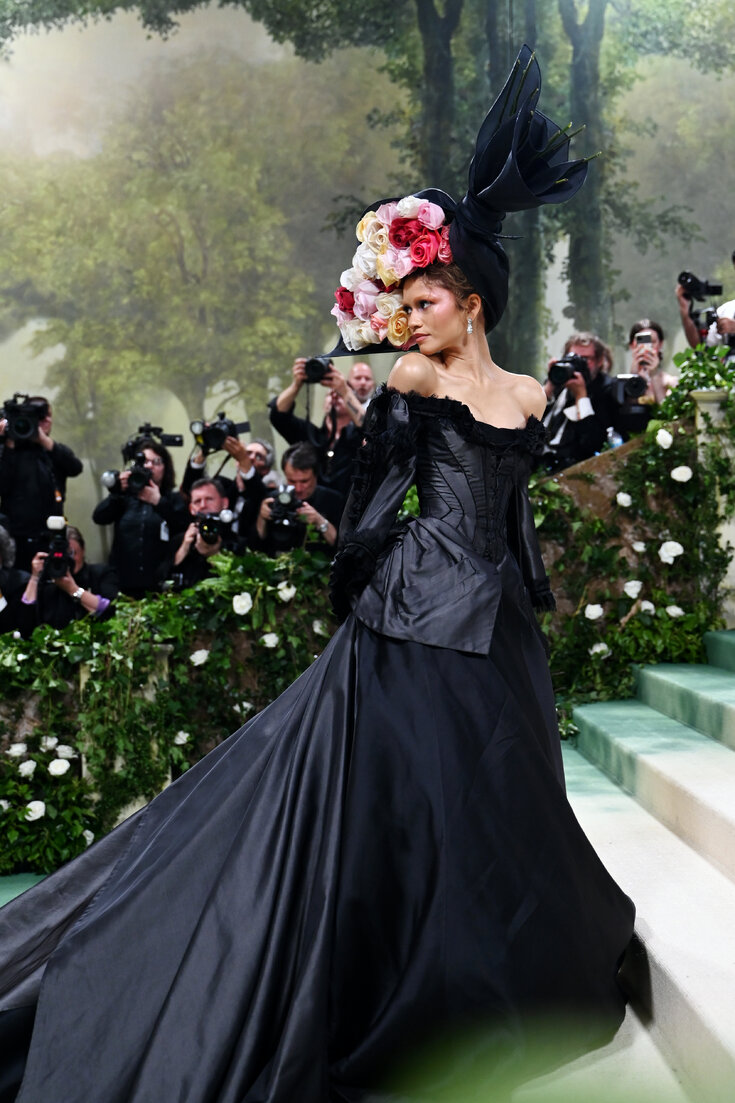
column 520, row 162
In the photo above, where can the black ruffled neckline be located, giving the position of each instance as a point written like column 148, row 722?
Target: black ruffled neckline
column 532, row 435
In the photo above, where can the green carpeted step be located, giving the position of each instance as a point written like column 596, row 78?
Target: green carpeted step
column 16, row 884
column 702, row 697
column 720, row 648
column 684, row 779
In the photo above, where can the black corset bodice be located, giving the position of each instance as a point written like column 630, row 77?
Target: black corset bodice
column 438, row 577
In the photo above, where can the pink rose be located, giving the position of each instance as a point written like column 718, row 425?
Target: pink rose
column 365, row 296
column 386, row 212
column 445, row 250
column 345, row 299
column 379, row 324
column 393, row 265
column 342, row 316
column 403, row 231
column 430, row 215
column 424, row 248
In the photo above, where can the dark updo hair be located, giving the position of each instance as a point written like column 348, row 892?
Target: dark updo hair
column 640, row 326
column 451, row 277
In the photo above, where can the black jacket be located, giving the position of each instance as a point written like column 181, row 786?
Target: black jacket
column 33, row 484
column 281, row 538
column 336, row 458
column 142, row 536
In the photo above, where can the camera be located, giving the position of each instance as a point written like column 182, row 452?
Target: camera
column 695, row 288
column 59, row 560
column 316, row 367
column 211, row 437
column 285, row 507
column 563, row 370
column 132, row 447
column 23, row 417
column 214, row 526
column 627, row 387
column 139, row 478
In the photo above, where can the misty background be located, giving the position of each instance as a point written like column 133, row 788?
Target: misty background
column 171, row 208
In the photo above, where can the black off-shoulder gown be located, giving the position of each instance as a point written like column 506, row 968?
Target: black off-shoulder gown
column 385, row 856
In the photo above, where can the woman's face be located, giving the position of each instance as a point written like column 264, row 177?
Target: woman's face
column 155, row 465
column 435, row 319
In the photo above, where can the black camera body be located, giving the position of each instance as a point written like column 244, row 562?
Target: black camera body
column 139, row 478
column 562, row 371
column 131, row 448
column 59, row 560
column 695, row 288
column 285, row 507
column 214, row 526
column 628, row 388
column 23, row 417
column 212, row 437
column 316, row 367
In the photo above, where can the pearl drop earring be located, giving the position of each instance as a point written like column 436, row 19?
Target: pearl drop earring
column 469, row 325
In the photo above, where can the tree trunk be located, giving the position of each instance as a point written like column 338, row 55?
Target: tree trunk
column 588, row 290
column 437, row 95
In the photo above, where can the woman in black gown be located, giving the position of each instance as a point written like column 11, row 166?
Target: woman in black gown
column 385, row 855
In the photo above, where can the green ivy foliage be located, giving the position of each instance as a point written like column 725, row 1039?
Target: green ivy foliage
column 146, row 693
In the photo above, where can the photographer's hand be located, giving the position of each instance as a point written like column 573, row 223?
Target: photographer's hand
column 3, row 430
column 44, row 439
column 190, row 536
column 726, row 326
column 150, row 494
column 336, row 382
column 204, row 549
column 577, row 386
column 30, row 594
column 239, row 452
column 287, row 397
column 645, row 361
column 312, row 517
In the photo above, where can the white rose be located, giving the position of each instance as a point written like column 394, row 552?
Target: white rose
column 682, row 474
column 648, row 607
column 351, row 334
column 48, row 742
column 270, row 639
column 675, row 610
column 623, row 499
column 180, row 738
column 58, row 767
column 369, row 336
column 17, row 750
column 593, row 612
column 26, row 769
column 638, row 546
column 35, row 809
column 198, row 658
column 350, row 279
column 375, row 235
column 286, row 591
column 664, row 438
column 16, row 635
column 63, row 750
column 20, row 657
column 633, row 588
column 408, row 207
column 88, row 836
column 364, row 261
column 242, row 603
column 600, row 649
column 319, row 628
column 387, row 303
column 669, row 550
column 4, row 805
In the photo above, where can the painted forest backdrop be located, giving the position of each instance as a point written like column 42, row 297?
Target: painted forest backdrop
column 177, row 239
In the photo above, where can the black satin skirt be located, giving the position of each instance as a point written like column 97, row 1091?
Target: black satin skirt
column 383, row 859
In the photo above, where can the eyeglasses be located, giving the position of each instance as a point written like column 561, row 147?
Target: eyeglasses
column 156, row 462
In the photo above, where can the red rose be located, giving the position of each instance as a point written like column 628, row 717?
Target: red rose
column 403, row 231
column 445, row 250
column 424, row 248
column 345, row 299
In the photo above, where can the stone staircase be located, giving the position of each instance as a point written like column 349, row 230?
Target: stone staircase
column 652, row 781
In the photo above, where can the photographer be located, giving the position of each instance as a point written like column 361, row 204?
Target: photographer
column 12, row 585
column 33, row 472
column 339, row 436
column 144, row 520
column 360, row 377
column 719, row 327
column 82, row 588
column 247, row 489
column 581, row 402
column 645, row 341
column 263, row 456
column 283, row 519
column 209, row 533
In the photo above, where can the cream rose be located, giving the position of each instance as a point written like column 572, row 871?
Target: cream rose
column 364, row 262
column 675, row 610
column 364, row 224
column 270, row 640
column 681, row 474
column 623, row 499
column 409, row 206
column 398, row 328
column 35, row 809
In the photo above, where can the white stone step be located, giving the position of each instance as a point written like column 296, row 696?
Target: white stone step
column 679, row 775
column 685, row 982
column 630, row 1069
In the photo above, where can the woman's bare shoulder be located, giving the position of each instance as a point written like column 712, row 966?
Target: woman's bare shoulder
column 531, row 395
column 413, row 372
